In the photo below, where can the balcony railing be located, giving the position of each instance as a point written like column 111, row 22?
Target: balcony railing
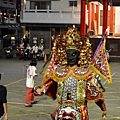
column 50, row 16
column 10, row 20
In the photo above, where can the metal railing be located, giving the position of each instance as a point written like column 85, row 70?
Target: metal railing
column 50, row 16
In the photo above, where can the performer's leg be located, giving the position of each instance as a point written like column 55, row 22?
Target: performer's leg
column 53, row 115
column 84, row 112
column 101, row 104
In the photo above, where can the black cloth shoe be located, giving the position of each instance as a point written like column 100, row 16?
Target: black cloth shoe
column 34, row 102
column 28, row 105
column 53, row 118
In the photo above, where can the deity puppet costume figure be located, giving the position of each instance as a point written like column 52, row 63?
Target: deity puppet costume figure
column 73, row 84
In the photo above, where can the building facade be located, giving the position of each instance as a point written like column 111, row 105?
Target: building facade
column 10, row 19
column 51, row 17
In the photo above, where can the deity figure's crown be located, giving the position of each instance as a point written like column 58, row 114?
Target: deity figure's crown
column 72, row 40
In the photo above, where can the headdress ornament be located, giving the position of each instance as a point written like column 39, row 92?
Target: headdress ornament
column 72, row 40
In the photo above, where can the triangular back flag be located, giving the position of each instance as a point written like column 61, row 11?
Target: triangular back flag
column 100, row 63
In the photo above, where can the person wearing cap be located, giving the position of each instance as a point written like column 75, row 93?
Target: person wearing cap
column 73, row 84
column 3, row 103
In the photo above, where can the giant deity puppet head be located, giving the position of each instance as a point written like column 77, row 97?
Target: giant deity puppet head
column 71, row 48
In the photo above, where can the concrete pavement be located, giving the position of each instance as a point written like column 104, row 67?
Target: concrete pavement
column 13, row 77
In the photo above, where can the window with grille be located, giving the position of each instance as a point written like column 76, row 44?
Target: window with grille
column 40, row 4
column 11, row 0
column 73, row 3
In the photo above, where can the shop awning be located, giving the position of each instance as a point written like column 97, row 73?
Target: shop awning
column 10, row 26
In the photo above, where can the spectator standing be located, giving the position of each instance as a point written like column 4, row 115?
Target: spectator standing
column 42, row 45
column 28, row 51
column 52, row 38
column 3, row 103
column 31, row 74
column 41, row 51
column 26, row 41
column 14, row 49
column 35, row 51
column 42, row 40
column 21, row 49
column 34, row 40
column 28, row 47
column 21, row 44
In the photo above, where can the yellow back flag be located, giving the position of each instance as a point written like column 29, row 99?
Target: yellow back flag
column 100, row 63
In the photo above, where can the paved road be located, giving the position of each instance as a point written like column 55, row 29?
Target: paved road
column 13, row 78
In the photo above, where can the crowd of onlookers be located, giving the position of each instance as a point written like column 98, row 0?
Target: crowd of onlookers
column 24, row 51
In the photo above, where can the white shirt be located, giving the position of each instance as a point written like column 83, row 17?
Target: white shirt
column 28, row 47
column 35, row 49
column 31, row 72
column 34, row 39
column 41, row 47
column 22, row 45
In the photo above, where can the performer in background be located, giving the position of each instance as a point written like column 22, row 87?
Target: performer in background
column 73, row 84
